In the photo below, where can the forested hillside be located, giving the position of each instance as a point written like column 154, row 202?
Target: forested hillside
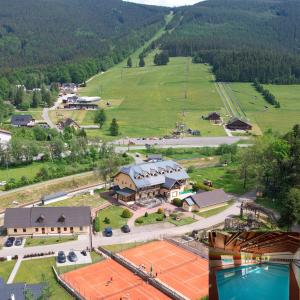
column 38, row 32
column 46, row 41
column 242, row 39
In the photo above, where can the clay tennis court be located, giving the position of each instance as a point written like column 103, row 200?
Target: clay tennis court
column 178, row 268
column 94, row 283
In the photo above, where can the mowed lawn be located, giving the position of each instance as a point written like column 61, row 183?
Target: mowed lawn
column 152, row 99
column 33, row 271
column 5, row 269
column 278, row 119
column 114, row 214
column 227, row 178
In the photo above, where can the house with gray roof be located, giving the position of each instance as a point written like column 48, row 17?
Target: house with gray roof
column 203, row 201
column 166, row 179
column 18, row 291
column 47, row 220
column 22, row 120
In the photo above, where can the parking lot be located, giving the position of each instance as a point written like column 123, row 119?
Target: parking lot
column 81, row 259
column 14, row 242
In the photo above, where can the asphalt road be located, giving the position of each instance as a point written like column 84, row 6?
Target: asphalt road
column 138, row 234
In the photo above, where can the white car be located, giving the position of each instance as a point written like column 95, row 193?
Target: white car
column 2, row 183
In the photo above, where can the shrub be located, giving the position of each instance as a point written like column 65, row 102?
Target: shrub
column 177, row 202
column 106, row 220
column 139, row 220
column 160, row 211
column 201, row 186
column 97, row 225
column 160, row 218
column 126, row 213
column 191, row 169
column 146, row 214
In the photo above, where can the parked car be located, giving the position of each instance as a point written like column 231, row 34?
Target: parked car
column 72, row 256
column 125, row 228
column 9, row 242
column 18, row 241
column 61, row 257
column 108, row 231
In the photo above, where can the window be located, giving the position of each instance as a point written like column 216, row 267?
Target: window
column 24, row 229
column 52, row 228
column 65, row 228
column 15, row 230
column 36, row 230
column 71, row 228
column 81, row 228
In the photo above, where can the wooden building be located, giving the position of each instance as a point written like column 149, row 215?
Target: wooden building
column 203, row 201
column 162, row 179
column 238, row 124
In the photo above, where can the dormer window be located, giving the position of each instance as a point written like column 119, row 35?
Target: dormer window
column 62, row 218
column 41, row 219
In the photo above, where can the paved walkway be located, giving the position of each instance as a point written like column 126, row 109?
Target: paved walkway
column 15, row 269
column 166, row 206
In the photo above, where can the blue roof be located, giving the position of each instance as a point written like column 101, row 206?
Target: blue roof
column 189, row 201
column 155, row 173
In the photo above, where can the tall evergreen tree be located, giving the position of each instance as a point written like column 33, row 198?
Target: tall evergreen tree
column 161, row 59
column 100, row 117
column 142, row 62
column 114, row 127
column 129, row 62
column 20, row 97
column 36, row 99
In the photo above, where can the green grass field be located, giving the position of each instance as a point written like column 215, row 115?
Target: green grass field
column 80, row 200
column 227, row 178
column 32, row 242
column 114, row 214
column 253, row 105
column 32, row 271
column 153, row 98
column 5, row 269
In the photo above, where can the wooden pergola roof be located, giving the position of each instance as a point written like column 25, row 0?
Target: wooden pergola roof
column 255, row 242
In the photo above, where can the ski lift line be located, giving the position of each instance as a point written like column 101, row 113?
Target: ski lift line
column 229, row 96
column 225, row 99
column 230, row 91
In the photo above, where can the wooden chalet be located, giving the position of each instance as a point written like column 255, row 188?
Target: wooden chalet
column 238, row 124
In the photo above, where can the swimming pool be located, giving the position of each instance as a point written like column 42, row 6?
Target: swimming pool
column 259, row 282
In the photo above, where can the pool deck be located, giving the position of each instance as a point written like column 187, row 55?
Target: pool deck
column 294, row 288
column 213, row 289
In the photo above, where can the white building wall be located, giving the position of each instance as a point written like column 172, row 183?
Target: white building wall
column 4, row 138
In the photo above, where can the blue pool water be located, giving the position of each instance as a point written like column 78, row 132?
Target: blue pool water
column 256, row 282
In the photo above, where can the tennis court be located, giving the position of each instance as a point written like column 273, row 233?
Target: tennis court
column 180, row 269
column 109, row 280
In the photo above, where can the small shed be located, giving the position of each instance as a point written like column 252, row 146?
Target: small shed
column 214, row 116
column 68, row 123
column 154, row 157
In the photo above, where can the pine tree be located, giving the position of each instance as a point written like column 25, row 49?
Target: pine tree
column 19, row 97
column 114, row 127
column 36, row 99
column 129, row 62
column 100, row 117
column 142, row 62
